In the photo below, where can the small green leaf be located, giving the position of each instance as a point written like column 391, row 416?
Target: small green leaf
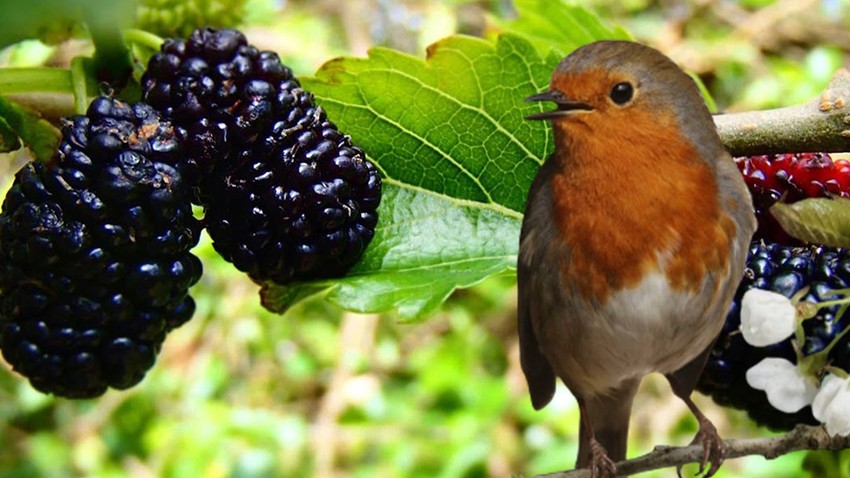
column 39, row 135
column 54, row 21
column 817, row 220
column 706, row 95
column 9, row 140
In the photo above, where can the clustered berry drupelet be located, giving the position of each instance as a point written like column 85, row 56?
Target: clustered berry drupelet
column 286, row 196
column 781, row 264
column 94, row 253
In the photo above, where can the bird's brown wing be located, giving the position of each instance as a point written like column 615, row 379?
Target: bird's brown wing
column 538, row 372
column 531, row 264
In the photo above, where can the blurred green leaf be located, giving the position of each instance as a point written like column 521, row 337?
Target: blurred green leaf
column 818, row 220
column 54, row 20
column 35, row 80
column 834, row 464
column 39, row 135
column 558, row 27
column 177, row 18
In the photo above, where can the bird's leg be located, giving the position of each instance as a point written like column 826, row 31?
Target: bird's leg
column 600, row 465
column 598, row 462
column 682, row 382
column 707, row 436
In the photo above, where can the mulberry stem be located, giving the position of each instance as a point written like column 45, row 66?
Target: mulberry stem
column 79, row 85
column 141, row 37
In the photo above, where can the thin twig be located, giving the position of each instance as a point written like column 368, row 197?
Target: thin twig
column 801, row 438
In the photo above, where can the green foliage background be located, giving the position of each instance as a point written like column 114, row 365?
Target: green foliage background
column 242, row 392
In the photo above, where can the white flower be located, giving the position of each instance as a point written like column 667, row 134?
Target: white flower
column 787, row 389
column 767, row 317
column 832, row 405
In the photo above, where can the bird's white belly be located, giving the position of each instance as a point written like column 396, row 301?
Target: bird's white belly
column 650, row 327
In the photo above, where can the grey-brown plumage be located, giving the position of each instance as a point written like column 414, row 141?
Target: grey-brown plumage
column 633, row 242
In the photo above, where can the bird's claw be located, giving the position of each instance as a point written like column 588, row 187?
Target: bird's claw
column 712, row 449
column 601, row 466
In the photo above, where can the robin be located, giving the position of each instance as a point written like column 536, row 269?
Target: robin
column 633, row 243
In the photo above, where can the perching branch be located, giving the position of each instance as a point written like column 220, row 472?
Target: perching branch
column 821, row 125
column 803, row 437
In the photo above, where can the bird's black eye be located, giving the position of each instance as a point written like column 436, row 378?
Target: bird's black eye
column 621, row 93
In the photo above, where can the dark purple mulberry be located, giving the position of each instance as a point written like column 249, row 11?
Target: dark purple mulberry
column 286, row 195
column 221, row 91
column 94, row 253
column 302, row 206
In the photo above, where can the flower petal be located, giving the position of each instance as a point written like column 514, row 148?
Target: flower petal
column 787, row 389
column 767, row 317
column 831, row 406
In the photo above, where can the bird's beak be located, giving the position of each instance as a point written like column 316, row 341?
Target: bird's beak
column 565, row 105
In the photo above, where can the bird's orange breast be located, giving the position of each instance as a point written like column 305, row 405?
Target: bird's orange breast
column 631, row 198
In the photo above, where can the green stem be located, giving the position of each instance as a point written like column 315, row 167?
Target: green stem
column 830, row 303
column 141, row 37
column 35, row 80
column 79, row 84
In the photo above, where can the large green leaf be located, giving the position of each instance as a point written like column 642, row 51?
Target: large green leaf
column 456, row 155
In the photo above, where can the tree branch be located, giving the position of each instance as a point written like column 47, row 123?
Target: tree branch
column 801, row 438
column 821, row 125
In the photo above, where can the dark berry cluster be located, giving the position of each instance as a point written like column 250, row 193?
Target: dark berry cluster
column 778, row 263
column 94, row 245
column 94, row 253
column 791, row 177
column 786, row 270
column 286, row 196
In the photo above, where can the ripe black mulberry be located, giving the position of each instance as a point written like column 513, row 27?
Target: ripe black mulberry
column 286, row 195
column 94, row 253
